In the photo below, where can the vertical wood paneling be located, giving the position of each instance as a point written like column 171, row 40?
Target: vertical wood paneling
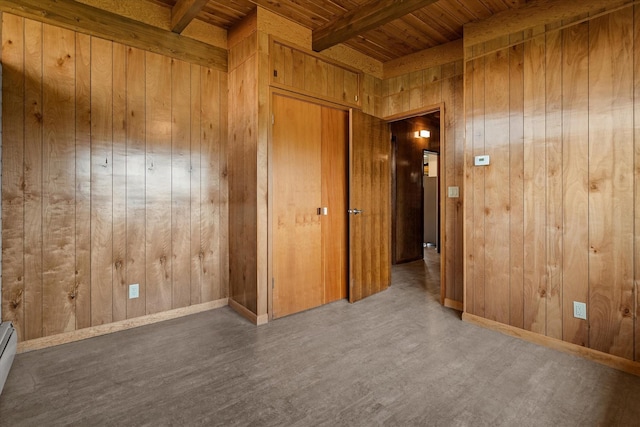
column 575, row 147
column 454, row 280
column 119, row 182
column 33, row 158
column 496, row 215
column 76, row 179
column 83, row 181
column 158, row 185
column 610, row 183
column 535, row 286
column 13, row 122
column 469, row 260
column 516, row 182
column 478, row 187
column 573, row 164
column 136, row 179
column 101, row 182
column 223, row 188
column 636, row 67
column 554, row 182
column 58, row 180
column 180, row 182
column 195, row 199
column 242, row 183
column 211, row 139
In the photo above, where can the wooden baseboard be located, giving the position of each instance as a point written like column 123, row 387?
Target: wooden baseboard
column 95, row 331
column 456, row 305
column 612, row 361
column 243, row 311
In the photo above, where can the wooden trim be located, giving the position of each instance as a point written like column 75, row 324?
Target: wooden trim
column 183, row 12
column 302, row 95
column 110, row 26
column 439, row 55
column 243, row 311
column 456, row 305
column 362, row 19
column 531, row 15
column 615, row 362
column 414, row 113
column 123, row 325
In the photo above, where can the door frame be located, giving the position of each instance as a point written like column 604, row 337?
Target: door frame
column 442, row 182
column 270, row 203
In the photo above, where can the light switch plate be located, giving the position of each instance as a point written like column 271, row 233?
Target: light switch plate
column 481, row 160
column 453, row 192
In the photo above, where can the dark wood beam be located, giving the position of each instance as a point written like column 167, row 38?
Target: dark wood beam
column 184, row 12
column 366, row 17
column 100, row 23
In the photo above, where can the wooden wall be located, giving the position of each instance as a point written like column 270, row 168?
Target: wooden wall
column 554, row 218
column 114, row 166
column 243, row 164
column 438, row 87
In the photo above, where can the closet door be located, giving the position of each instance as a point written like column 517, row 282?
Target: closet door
column 335, row 134
column 309, row 222
column 297, row 195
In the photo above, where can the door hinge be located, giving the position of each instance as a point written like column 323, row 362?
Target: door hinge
column 356, row 98
column 273, row 283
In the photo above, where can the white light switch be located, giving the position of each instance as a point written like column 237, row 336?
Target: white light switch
column 482, row 160
column 454, row 192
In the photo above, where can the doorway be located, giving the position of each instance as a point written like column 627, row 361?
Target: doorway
column 416, row 187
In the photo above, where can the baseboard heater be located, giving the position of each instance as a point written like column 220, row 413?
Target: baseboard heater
column 8, row 347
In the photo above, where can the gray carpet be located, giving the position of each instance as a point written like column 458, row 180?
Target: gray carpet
column 397, row 359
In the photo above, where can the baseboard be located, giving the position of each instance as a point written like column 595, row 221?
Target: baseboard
column 243, row 311
column 606, row 359
column 456, row 305
column 95, row 331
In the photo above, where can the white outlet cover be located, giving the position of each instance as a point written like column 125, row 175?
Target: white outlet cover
column 579, row 310
column 134, row 291
column 454, row 192
column 482, row 160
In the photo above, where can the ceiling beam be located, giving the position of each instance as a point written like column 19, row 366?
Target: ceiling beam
column 362, row 19
column 184, row 12
column 86, row 19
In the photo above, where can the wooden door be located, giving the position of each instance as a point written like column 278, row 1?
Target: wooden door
column 370, row 193
column 297, row 195
column 335, row 134
column 309, row 173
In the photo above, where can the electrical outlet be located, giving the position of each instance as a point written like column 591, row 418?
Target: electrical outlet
column 580, row 310
column 134, row 291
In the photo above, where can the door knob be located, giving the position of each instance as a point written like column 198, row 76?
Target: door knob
column 355, row 211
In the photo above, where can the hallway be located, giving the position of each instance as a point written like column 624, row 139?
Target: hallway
column 397, row 358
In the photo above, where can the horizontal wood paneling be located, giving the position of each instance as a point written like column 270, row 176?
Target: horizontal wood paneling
column 569, row 226
column 98, row 162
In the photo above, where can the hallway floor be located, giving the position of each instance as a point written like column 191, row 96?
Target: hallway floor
column 397, row 358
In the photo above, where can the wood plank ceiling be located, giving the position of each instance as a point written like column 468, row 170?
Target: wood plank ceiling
column 428, row 24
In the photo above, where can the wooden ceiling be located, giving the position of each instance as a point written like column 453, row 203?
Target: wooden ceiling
column 368, row 26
